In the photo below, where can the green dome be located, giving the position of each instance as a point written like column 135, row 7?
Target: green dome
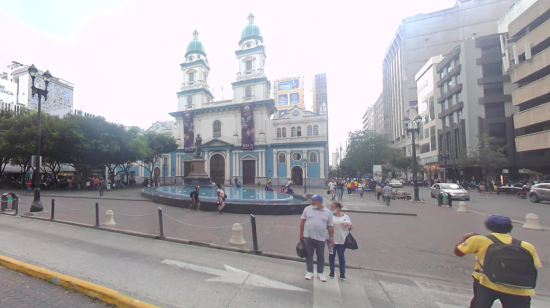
column 195, row 46
column 250, row 31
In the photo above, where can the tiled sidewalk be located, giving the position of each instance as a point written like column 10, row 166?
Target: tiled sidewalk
column 18, row 291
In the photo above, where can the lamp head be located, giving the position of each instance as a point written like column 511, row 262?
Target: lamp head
column 47, row 76
column 406, row 121
column 33, row 70
column 417, row 119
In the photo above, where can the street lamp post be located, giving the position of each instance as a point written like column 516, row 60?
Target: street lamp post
column 415, row 128
column 305, row 175
column 444, row 157
column 36, row 205
column 164, row 167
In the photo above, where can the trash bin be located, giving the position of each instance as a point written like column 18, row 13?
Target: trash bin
column 9, row 199
column 4, row 202
column 444, row 199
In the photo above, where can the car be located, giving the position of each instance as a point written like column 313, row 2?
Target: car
column 540, row 192
column 395, row 184
column 456, row 191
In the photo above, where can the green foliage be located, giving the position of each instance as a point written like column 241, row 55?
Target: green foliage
column 365, row 149
column 489, row 155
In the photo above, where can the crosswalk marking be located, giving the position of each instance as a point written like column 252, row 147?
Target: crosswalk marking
column 326, row 294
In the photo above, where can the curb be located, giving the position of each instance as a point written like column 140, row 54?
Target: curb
column 87, row 288
column 381, row 213
column 97, row 197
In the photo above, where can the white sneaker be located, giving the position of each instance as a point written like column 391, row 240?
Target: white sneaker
column 309, row 275
column 322, row 278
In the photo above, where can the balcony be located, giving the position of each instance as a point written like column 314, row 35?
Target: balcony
column 495, row 99
column 531, row 91
column 198, row 84
column 493, row 79
column 526, row 17
column 529, row 67
column 534, row 37
column 250, row 74
column 456, row 70
column 531, row 142
column 532, row 116
column 489, row 59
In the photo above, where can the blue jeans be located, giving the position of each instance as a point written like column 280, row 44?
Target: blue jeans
column 311, row 247
column 338, row 249
column 361, row 193
column 341, row 193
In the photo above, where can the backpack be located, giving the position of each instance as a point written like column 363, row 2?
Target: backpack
column 378, row 189
column 509, row 265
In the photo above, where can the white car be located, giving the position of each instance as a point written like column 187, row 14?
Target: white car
column 456, row 191
column 395, row 184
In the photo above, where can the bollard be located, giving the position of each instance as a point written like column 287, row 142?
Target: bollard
column 109, row 218
column 96, row 214
column 237, row 237
column 254, row 235
column 462, row 207
column 161, row 227
column 532, row 222
column 53, row 210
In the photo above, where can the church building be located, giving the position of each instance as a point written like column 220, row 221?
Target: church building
column 241, row 138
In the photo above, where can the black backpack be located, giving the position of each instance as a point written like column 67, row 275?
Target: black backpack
column 509, row 265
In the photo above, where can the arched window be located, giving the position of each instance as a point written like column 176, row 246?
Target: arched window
column 282, row 158
column 309, row 130
column 293, row 131
column 217, row 129
column 315, row 130
column 278, row 133
column 284, row 132
column 248, row 92
column 299, row 131
column 313, row 157
column 189, row 101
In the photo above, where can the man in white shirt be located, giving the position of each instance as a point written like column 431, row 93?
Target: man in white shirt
column 331, row 188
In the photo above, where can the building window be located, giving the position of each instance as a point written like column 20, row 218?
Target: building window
column 191, row 77
column 248, row 92
column 457, row 143
column 492, row 69
column 284, row 132
column 309, row 130
column 217, row 129
column 315, row 130
column 313, row 157
column 191, row 58
column 433, row 139
column 459, row 96
column 457, row 79
column 282, row 158
column 293, row 132
column 296, row 156
column 299, row 131
column 278, row 133
column 249, row 65
column 189, row 101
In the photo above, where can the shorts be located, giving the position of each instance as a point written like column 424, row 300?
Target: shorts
column 195, row 202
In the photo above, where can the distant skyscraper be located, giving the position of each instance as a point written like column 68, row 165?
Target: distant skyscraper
column 320, row 93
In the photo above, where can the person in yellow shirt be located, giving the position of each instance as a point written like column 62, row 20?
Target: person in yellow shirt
column 486, row 290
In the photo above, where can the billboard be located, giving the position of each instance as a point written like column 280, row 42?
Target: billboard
column 294, row 98
column 247, row 126
column 8, row 91
column 288, row 85
column 377, row 172
column 188, row 132
column 282, row 99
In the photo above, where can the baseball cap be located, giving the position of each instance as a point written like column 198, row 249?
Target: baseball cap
column 316, row 197
column 498, row 221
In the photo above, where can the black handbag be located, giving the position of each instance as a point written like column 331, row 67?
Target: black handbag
column 301, row 249
column 328, row 192
column 350, row 242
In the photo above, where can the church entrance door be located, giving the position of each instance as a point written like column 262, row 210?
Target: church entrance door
column 297, row 176
column 217, row 169
column 186, row 168
column 249, row 172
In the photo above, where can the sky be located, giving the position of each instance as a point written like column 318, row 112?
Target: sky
column 123, row 55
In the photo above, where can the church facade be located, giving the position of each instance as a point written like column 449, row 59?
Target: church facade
column 240, row 137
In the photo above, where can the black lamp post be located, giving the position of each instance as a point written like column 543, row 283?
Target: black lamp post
column 305, row 175
column 444, row 156
column 413, row 130
column 36, row 205
column 164, row 167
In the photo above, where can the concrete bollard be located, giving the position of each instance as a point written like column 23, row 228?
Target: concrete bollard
column 109, row 218
column 237, row 237
column 532, row 222
column 462, row 207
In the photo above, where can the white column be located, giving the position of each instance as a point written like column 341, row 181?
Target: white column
column 275, row 163
column 207, row 165
column 178, row 164
column 322, row 163
column 304, row 155
column 227, row 167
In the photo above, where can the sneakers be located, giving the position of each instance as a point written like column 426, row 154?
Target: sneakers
column 309, row 275
column 331, row 275
column 322, row 278
column 342, row 276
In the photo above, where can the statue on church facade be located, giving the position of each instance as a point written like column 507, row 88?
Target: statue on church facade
column 198, row 146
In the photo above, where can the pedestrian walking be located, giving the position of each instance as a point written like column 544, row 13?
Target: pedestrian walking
column 340, row 187
column 342, row 224
column 221, row 198
column 387, row 192
column 505, row 268
column 361, row 189
column 332, row 189
column 101, row 186
column 195, row 198
column 316, row 220
column 236, row 181
column 378, row 191
column 29, row 187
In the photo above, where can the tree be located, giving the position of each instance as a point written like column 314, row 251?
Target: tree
column 132, row 149
column 20, row 139
column 488, row 156
column 404, row 164
column 5, row 150
column 157, row 144
column 365, row 149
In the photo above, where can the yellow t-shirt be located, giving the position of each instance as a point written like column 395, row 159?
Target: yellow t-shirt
column 348, row 185
column 478, row 245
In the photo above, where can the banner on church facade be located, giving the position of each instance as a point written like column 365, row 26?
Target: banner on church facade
column 247, row 126
column 188, row 132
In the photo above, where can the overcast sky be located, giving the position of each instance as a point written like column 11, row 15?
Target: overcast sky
column 123, row 55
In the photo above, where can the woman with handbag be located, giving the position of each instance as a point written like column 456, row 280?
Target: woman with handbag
column 342, row 224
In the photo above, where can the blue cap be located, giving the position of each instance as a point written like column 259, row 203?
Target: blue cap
column 498, row 221
column 316, row 197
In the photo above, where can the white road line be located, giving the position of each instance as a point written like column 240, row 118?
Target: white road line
column 326, row 294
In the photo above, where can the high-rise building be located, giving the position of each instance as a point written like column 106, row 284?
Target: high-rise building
column 320, row 102
column 380, row 115
column 289, row 92
column 527, row 58
column 420, row 37
column 368, row 118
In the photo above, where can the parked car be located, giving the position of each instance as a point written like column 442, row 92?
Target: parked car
column 456, row 191
column 540, row 192
column 395, row 184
